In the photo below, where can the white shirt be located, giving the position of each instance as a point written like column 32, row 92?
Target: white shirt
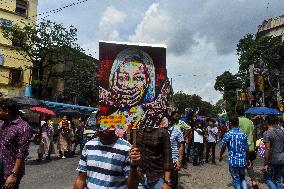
column 197, row 137
column 212, row 134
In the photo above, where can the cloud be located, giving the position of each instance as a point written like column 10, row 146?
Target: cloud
column 109, row 24
column 154, row 27
column 222, row 22
column 201, row 36
column 195, row 71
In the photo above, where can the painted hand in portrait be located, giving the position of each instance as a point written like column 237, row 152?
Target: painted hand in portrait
column 132, row 89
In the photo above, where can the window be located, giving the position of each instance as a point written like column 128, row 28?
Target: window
column 15, row 76
column 1, row 59
column 21, row 7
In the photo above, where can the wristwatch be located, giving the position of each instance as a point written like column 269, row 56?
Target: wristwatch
column 14, row 174
column 168, row 182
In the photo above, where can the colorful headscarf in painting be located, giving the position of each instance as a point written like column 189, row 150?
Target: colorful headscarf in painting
column 133, row 54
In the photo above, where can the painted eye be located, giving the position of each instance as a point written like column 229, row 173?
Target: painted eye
column 123, row 78
column 139, row 78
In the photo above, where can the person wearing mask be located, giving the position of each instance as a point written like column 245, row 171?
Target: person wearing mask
column 107, row 162
column 177, row 145
column 273, row 168
column 238, row 153
column 15, row 137
column 212, row 131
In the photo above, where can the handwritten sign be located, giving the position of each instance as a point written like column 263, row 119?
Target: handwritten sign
column 113, row 121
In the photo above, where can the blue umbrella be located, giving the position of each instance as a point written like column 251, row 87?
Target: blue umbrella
column 262, row 111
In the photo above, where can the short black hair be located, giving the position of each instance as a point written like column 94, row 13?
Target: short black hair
column 271, row 120
column 240, row 110
column 234, row 121
column 11, row 106
column 174, row 112
column 210, row 119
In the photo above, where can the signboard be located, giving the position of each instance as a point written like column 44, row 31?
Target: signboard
column 133, row 82
column 6, row 23
column 112, row 121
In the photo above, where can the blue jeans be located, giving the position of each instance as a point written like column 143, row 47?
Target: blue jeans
column 238, row 175
column 273, row 178
column 156, row 185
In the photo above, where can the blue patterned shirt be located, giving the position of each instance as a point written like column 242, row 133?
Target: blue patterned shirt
column 176, row 138
column 237, row 144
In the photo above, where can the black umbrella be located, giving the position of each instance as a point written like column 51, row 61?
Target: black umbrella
column 27, row 101
column 70, row 112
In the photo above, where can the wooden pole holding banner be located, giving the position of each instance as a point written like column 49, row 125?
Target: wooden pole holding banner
column 134, row 137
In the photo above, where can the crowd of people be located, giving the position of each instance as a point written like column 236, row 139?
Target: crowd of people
column 149, row 157
column 69, row 137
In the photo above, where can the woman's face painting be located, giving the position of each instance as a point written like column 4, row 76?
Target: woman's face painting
column 131, row 76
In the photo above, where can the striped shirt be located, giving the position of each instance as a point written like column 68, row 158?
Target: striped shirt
column 176, row 138
column 107, row 166
column 237, row 144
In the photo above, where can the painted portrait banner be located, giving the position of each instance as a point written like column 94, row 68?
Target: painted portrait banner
column 133, row 82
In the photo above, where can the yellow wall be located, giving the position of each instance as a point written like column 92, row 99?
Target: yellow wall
column 12, row 59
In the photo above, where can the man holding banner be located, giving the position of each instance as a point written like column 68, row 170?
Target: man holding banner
column 108, row 162
column 133, row 90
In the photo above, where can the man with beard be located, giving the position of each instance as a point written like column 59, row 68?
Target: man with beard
column 14, row 143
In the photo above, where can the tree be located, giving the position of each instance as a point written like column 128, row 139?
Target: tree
column 265, row 53
column 227, row 83
column 82, row 81
column 45, row 45
column 181, row 100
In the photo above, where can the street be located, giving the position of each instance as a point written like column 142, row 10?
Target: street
column 57, row 174
column 60, row 174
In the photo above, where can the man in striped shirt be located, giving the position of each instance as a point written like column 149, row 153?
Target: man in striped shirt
column 177, row 144
column 238, row 156
column 108, row 162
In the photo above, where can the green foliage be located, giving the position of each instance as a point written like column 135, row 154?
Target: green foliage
column 262, row 50
column 266, row 53
column 181, row 100
column 45, row 45
column 227, row 83
column 82, row 80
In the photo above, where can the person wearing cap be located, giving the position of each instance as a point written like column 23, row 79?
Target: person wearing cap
column 15, row 137
column 107, row 162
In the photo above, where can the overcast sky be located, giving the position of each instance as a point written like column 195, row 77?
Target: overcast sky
column 201, row 35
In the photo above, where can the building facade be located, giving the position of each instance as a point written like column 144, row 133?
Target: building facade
column 272, row 27
column 15, row 70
